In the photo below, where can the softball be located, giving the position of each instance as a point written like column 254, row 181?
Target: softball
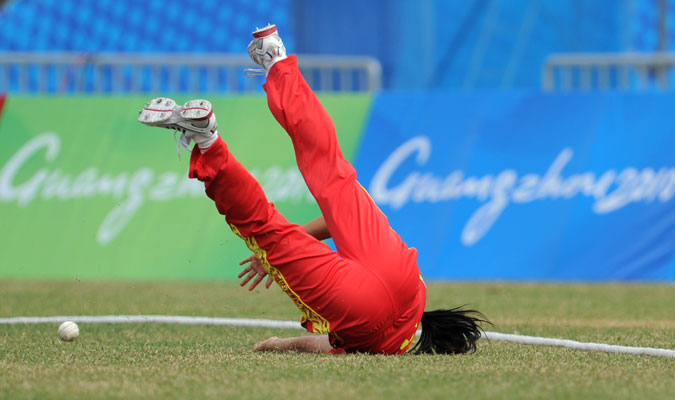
column 68, row 331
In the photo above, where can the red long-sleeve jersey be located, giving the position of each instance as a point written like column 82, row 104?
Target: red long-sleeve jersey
column 368, row 295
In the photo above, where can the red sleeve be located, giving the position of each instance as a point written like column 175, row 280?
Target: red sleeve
column 337, row 343
column 337, row 350
column 235, row 191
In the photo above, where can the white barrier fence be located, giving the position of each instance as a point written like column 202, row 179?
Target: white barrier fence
column 609, row 71
column 128, row 73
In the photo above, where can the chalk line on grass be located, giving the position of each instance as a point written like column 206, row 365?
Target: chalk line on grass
column 572, row 344
column 269, row 323
column 160, row 319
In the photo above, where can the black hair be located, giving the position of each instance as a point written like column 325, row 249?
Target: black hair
column 453, row 331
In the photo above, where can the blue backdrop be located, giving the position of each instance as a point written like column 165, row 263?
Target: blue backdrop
column 422, row 44
column 527, row 186
column 150, row 26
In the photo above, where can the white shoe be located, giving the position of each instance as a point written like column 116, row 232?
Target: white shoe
column 266, row 48
column 195, row 119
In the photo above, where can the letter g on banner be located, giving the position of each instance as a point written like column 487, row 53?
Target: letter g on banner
column 26, row 191
column 397, row 196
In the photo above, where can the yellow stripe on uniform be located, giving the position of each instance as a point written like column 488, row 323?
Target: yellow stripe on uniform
column 371, row 199
column 319, row 323
column 406, row 343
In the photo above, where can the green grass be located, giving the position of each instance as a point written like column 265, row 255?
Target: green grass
column 170, row 361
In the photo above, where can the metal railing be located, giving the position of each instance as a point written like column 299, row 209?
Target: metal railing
column 110, row 73
column 621, row 71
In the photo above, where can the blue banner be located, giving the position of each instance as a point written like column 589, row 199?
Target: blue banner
column 527, row 186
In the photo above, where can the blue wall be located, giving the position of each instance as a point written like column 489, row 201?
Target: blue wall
column 137, row 26
column 474, row 44
column 422, row 44
column 527, row 186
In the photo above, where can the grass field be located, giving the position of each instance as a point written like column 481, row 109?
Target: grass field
column 170, row 361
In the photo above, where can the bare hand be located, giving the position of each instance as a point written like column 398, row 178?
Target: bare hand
column 303, row 344
column 253, row 269
column 267, row 345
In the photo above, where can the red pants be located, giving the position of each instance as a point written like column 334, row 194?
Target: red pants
column 368, row 295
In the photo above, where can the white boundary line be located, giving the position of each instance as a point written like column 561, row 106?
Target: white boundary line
column 160, row 319
column 269, row 323
column 572, row 344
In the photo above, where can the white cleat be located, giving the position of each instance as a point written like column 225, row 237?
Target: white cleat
column 195, row 119
column 266, row 48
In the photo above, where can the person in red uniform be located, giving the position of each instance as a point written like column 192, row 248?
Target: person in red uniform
column 368, row 296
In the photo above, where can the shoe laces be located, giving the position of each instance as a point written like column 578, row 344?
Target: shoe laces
column 182, row 141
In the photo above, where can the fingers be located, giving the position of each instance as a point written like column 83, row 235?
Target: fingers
column 247, row 260
column 253, row 270
column 266, row 344
column 248, row 277
column 244, row 271
column 256, row 282
column 252, row 273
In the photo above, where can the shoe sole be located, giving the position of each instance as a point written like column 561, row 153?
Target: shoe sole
column 158, row 111
column 264, row 32
column 197, row 110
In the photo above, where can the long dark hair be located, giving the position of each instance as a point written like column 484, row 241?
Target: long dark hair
column 453, row 331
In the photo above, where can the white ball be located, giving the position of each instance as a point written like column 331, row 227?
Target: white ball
column 68, row 331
